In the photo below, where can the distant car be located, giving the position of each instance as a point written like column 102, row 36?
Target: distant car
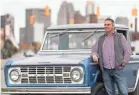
column 64, row 66
column 29, row 53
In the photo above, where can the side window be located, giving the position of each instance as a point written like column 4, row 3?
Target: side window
column 124, row 32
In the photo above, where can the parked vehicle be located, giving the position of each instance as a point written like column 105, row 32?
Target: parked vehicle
column 64, row 66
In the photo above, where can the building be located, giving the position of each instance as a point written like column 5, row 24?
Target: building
column 7, row 29
column 90, row 7
column 66, row 13
column 78, row 18
column 2, row 33
column 101, row 19
column 37, row 20
column 38, row 32
column 22, row 39
column 93, row 18
column 3, row 20
column 22, row 35
column 7, row 24
column 9, row 46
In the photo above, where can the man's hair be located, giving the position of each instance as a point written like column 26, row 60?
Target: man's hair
column 109, row 19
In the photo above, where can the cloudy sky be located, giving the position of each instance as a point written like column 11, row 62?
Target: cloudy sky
column 112, row 8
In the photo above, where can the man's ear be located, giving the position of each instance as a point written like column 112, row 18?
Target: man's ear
column 113, row 25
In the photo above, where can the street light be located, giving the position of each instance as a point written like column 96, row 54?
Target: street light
column 47, row 11
column 98, row 11
column 31, row 19
column 134, row 12
column 71, row 21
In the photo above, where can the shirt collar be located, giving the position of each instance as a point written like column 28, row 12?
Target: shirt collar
column 112, row 33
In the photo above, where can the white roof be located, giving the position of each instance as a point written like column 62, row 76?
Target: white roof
column 83, row 26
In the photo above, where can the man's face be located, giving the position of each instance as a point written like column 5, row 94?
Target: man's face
column 109, row 27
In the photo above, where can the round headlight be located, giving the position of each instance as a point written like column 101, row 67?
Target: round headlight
column 14, row 75
column 76, row 75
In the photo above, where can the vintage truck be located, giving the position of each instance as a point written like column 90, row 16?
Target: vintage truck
column 64, row 66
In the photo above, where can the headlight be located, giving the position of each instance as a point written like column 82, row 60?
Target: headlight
column 76, row 75
column 14, row 75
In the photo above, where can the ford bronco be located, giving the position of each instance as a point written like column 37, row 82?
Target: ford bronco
column 64, row 66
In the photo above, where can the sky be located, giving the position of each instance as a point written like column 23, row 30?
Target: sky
column 112, row 8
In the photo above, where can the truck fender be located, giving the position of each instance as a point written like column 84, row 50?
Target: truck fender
column 96, row 76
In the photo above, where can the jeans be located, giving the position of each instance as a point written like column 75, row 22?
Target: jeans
column 112, row 77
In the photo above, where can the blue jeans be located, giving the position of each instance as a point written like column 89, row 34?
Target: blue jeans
column 112, row 77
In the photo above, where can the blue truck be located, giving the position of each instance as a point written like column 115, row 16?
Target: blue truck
column 64, row 66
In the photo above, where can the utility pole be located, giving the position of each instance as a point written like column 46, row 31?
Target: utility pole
column 136, row 25
column 134, row 13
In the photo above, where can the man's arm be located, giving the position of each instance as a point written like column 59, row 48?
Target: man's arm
column 94, row 52
column 95, row 49
column 127, row 50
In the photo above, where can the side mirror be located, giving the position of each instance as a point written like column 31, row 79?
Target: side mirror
column 29, row 53
column 133, row 48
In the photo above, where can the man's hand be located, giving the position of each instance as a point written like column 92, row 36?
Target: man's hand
column 123, row 65
column 95, row 58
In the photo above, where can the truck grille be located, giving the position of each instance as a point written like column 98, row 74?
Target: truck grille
column 49, row 74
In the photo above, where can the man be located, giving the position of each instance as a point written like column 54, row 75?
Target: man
column 113, row 52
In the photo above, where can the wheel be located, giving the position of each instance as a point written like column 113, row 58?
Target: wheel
column 99, row 89
column 136, row 92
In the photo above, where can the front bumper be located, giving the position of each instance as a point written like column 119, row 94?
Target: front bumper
column 47, row 90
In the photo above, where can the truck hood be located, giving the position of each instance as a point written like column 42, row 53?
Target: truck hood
column 51, row 59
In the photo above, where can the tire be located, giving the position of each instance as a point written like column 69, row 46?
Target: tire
column 136, row 92
column 99, row 89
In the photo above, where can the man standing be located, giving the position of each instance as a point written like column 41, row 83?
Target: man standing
column 113, row 52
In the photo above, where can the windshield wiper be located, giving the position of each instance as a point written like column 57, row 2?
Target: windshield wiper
column 90, row 35
column 59, row 34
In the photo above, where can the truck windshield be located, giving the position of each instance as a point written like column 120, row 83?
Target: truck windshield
column 70, row 40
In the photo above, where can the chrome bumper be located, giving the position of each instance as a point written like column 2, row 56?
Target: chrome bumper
column 47, row 90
